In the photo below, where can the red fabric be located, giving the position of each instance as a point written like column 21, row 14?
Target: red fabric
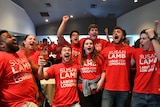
column 45, row 50
column 91, row 70
column 65, row 76
column 146, row 80
column 35, row 56
column 117, row 67
column 75, row 48
column 17, row 85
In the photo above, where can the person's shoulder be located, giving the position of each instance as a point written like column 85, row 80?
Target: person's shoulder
column 101, row 39
column 138, row 50
column 37, row 52
column 82, row 39
column 2, row 54
column 129, row 47
column 5, row 54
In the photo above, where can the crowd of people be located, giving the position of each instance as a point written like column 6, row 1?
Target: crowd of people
column 90, row 72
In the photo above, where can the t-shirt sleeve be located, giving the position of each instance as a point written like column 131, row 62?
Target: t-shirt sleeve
column 134, row 53
column 1, row 66
column 62, row 41
column 51, row 71
column 102, row 52
column 101, row 62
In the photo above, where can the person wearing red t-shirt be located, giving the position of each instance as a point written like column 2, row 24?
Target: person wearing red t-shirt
column 55, row 53
column 65, row 74
column 117, row 58
column 45, row 49
column 18, row 88
column 146, row 90
column 74, row 37
column 99, row 44
column 92, row 75
column 29, row 49
column 76, row 44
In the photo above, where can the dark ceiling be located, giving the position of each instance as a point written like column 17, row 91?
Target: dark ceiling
column 39, row 10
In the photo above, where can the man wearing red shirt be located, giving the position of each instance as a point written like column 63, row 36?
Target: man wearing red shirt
column 76, row 44
column 146, row 90
column 93, row 34
column 17, row 87
column 74, row 37
column 117, row 58
column 65, row 74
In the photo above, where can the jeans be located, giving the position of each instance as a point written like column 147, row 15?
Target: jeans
column 145, row 100
column 117, row 98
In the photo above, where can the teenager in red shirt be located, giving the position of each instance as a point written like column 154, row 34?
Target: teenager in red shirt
column 65, row 74
column 93, row 34
column 117, row 57
column 74, row 37
column 76, row 44
column 146, row 90
column 92, row 75
column 17, row 87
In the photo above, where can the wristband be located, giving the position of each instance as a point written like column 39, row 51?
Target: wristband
column 154, row 38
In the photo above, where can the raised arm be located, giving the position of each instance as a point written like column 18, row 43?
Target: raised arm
column 106, row 31
column 156, row 23
column 154, row 41
column 62, row 26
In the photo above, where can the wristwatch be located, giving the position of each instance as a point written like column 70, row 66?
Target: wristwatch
column 154, row 37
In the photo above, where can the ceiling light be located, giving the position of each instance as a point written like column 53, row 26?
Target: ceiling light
column 103, row 0
column 46, row 20
column 135, row 1
column 71, row 16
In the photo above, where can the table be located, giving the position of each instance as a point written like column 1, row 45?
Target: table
column 48, row 87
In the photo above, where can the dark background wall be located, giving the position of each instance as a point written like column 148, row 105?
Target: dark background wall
column 78, row 24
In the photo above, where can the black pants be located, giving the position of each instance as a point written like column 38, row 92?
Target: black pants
column 93, row 100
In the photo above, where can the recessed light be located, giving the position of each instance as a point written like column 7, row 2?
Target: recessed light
column 71, row 16
column 135, row 1
column 46, row 20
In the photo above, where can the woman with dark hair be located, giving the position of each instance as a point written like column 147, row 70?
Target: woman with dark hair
column 92, row 75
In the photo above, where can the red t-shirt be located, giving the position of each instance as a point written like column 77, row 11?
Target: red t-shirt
column 117, row 67
column 74, row 47
column 100, row 44
column 34, row 55
column 146, row 80
column 91, row 70
column 17, row 84
column 65, row 76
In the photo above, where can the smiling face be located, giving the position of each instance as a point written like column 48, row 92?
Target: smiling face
column 145, row 42
column 74, row 38
column 93, row 33
column 30, row 42
column 118, row 36
column 8, row 43
column 88, row 46
column 66, row 54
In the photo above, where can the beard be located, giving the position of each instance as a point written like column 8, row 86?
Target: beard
column 12, row 48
